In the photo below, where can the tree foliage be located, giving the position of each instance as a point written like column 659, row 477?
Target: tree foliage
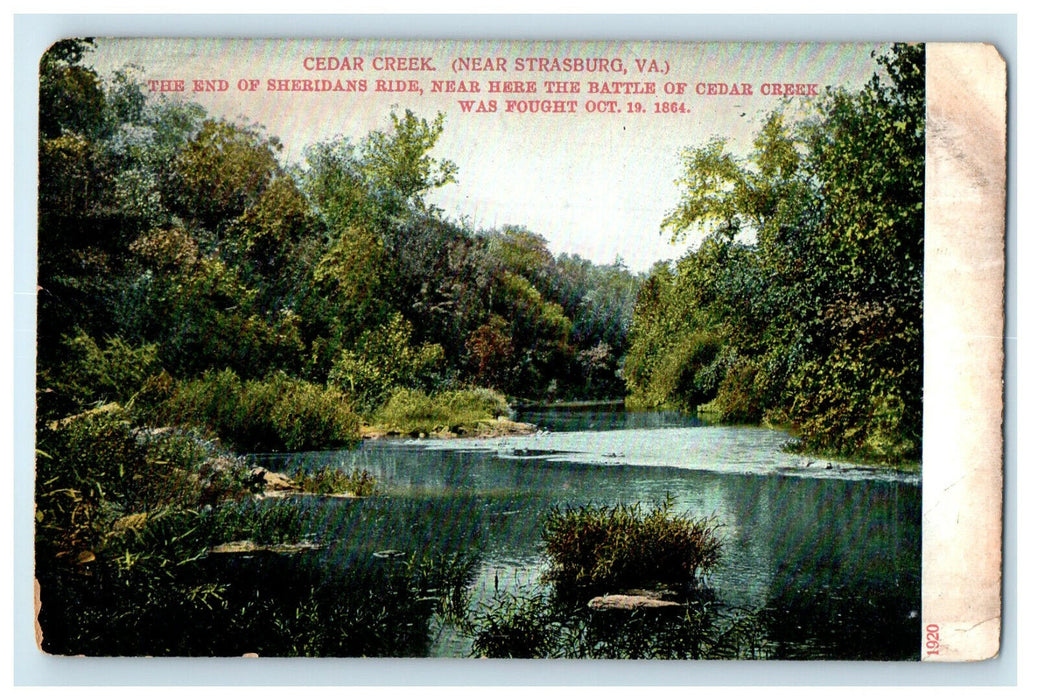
column 803, row 302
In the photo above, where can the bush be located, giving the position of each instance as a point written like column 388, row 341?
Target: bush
column 95, row 374
column 95, row 470
column 678, row 372
column 384, row 360
column 275, row 414
column 744, row 394
column 412, row 412
column 329, row 480
column 483, row 402
column 598, row 549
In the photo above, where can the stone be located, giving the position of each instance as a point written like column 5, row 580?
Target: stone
column 630, row 602
column 250, row 547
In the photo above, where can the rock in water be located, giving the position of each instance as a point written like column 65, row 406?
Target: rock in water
column 629, row 602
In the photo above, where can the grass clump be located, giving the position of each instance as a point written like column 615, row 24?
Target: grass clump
column 413, row 412
column 96, row 468
column 332, row 481
column 611, row 549
column 598, row 549
column 521, row 625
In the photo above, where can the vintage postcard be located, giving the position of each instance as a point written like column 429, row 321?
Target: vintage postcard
column 520, row 349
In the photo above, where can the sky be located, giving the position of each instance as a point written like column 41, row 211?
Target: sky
column 593, row 183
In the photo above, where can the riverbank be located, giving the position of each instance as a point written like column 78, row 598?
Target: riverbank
column 589, row 405
column 485, row 428
column 842, row 461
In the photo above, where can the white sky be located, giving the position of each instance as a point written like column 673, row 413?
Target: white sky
column 594, row 184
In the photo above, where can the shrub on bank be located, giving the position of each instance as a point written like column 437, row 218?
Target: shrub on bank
column 91, row 373
column 411, row 412
column 99, row 464
column 614, row 547
column 276, row 414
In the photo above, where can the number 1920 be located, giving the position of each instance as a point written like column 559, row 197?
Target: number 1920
column 933, row 640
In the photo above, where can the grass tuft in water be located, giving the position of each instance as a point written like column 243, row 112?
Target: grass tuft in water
column 333, row 481
column 601, row 549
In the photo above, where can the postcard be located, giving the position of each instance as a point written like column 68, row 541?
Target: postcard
column 520, row 349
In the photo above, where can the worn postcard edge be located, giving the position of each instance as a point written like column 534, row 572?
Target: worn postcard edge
column 964, row 331
column 963, row 334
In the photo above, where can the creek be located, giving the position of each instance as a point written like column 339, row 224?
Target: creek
column 829, row 551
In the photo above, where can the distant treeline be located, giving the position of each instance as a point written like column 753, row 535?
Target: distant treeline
column 803, row 305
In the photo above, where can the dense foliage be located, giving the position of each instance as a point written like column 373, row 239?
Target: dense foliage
column 803, row 303
column 197, row 293
column 277, row 413
column 173, row 241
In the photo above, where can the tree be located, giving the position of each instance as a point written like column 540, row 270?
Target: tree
column 71, row 97
column 490, row 353
column 864, row 391
column 809, row 273
column 222, row 171
column 81, row 229
column 267, row 234
column 398, row 166
column 380, row 179
column 334, row 182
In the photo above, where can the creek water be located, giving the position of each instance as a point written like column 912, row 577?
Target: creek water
column 830, row 551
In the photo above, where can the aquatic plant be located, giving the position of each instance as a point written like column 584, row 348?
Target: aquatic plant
column 537, row 623
column 520, row 625
column 611, row 547
column 330, row 480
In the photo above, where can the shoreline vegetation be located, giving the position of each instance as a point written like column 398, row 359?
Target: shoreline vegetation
column 447, row 414
column 488, row 428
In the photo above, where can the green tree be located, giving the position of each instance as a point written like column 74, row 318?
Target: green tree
column 809, row 274
column 490, row 353
column 864, row 390
column 71, row 96
column 222, row 171
column 397, row 163
column 81, row 228
column 333, row 180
